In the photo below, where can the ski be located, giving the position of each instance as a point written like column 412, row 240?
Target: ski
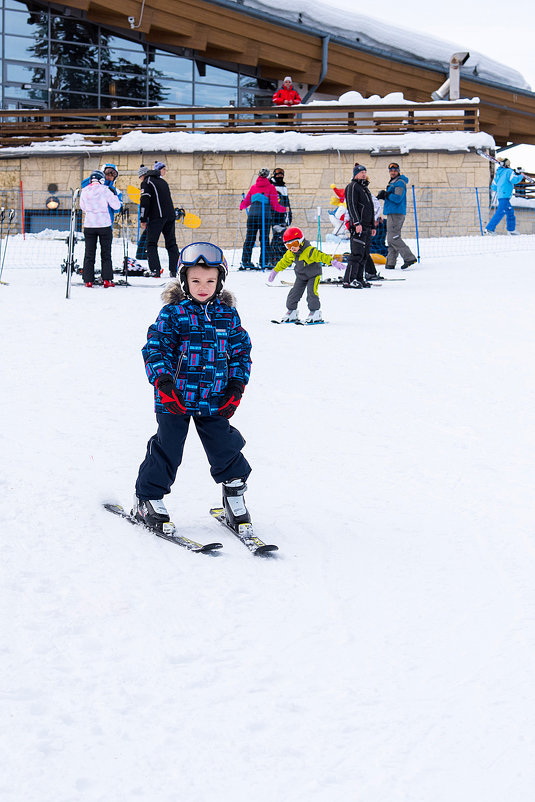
column 284, row 322
column 170, row 534
column 245, row 533
column 494, row 160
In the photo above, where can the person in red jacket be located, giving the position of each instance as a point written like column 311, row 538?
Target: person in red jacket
column 286, row 95
column 262, row 198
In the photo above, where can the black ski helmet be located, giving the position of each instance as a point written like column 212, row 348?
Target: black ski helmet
column 205, row 254
column 97, row 175
column 264, row 172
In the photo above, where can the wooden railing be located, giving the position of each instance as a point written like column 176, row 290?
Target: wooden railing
column 22, row 126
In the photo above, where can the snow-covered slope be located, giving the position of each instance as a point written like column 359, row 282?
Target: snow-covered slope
column 386, row 652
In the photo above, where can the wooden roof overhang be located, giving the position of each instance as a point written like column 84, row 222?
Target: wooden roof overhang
column 224, row 31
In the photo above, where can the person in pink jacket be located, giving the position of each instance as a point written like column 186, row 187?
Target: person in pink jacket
column 95, row 199
column 262, row 198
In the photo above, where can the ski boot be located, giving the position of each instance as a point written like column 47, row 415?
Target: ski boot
column 236, row 512
column 152, row 513
column 314, row 317
column 290, row 316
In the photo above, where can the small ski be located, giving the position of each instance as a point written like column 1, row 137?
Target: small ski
column 168, row 531
column 289, row 322
column 245, row 533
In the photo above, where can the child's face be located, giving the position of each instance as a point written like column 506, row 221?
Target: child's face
column 202, row 282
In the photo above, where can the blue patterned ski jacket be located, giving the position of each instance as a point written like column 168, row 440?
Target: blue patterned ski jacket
column 202, row 346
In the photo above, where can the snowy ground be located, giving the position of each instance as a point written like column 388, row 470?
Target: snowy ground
column 386, row 654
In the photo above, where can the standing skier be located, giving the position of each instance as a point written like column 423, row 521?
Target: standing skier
column 95, row 201
column 157, row 216
column 262, row 198
column 307, row 262
column 504, row 184
column 395, row 209
column 197, row 356
column 361, row 214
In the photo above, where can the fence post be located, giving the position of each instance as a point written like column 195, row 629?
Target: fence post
column 416, row 223
column 479, row 211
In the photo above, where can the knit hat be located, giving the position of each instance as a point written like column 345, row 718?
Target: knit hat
column 158, row 165
column 358, row 168
column 288, row 78
column 142, row 171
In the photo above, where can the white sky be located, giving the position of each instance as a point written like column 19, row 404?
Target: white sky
column 504, row 31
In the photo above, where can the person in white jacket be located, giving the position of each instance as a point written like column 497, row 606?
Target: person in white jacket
column 95, row 199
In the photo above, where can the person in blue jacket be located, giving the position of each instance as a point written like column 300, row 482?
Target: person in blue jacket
column 504, row 184
column 197, row 357
column 395, row 209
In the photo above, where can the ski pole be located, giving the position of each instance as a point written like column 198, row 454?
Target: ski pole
column 416, row 223
column 263, row 244
column 479, row 211
column 2, row 216
column 10, row 217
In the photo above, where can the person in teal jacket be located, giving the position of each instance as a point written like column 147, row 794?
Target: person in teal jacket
column 503, row 185
column 395, row 209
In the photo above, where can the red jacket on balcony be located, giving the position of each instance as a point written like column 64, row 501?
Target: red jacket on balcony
column 286, row 96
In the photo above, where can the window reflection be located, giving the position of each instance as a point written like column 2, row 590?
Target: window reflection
column 81, row 64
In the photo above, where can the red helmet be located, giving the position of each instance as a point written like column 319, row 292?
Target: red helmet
column 292, row 234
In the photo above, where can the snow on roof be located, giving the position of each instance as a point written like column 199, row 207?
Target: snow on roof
column 385, row 39
column 289, row 142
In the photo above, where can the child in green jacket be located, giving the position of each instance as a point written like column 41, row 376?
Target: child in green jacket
column 307, row 262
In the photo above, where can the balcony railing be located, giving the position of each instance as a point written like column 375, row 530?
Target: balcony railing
column 23, row 126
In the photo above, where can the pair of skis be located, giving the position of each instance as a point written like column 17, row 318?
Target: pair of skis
column 244, row 533
column 494, row 160
column 298, row 322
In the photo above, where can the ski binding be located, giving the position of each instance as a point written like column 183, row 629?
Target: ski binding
column 245, row 533
column 167, row 532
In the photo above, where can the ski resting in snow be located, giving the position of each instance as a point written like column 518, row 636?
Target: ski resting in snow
column 167, row 533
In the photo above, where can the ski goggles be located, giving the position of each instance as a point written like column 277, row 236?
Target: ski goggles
column 292, row 243
column 206, row 252
column 111, row 171
column 393, row 166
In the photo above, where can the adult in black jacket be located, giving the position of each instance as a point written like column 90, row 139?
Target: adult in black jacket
column 157, row 215
column 279, row 221
column 361, row 227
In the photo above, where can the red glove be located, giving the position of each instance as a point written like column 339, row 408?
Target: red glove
column 170, row 395
column 231, row 400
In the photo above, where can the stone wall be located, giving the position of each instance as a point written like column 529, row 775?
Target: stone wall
column 211, row 185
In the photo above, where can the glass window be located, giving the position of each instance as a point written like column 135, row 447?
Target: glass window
column 173, row 93
column 74, row 80
column 206, row 95
column 125, row 44
column 126, row 86
column 22, row 48
column 71, row 100
column 39, row 95
column 24, row 24
column 123, row 60
column 69, row 54
column 215, row 75
column 23, row 73
column 69, row 30
column 173, row 67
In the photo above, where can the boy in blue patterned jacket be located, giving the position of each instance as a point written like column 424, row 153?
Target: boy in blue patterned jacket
column 197, row 356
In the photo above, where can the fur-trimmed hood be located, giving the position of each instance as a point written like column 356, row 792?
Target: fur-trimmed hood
column 174, row 294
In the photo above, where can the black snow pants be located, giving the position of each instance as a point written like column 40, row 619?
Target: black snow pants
column 221, row 441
